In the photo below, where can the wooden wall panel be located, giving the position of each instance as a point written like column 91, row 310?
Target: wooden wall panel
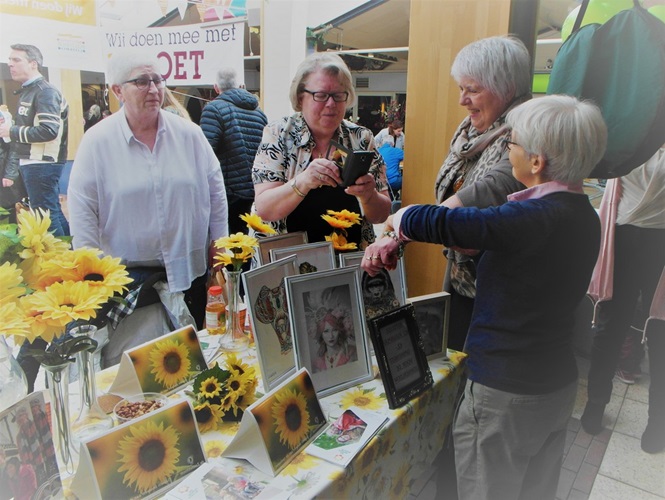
column 71, row 90
column 438, row 30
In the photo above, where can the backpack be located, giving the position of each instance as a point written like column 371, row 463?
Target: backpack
column 620, row 66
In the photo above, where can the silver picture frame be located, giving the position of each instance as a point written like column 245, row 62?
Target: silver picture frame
column 310, row 257
column 278, row 241
column 265, row 297
column 329, row 303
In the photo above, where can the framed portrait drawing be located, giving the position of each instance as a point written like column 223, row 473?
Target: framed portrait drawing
column 278, row 241
column 432, row 316
column 328, row 324
column 383, row 292
column 265, row 297
column 400, row 356
column 310, row 257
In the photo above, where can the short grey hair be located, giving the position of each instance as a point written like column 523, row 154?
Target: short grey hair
column 330, row 64
column 226, row 79
column 122, row 63
column 385, row 139
column 500, row 64
column 570, row 134
column 32, row 53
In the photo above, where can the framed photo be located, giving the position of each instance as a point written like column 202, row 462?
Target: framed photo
column 265, row 297
column 381, row 293
column 328, row 324
column 432, row 316
column 399, row 353
column 310, row 257
column 278, row 241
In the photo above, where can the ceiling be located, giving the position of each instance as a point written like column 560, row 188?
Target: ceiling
column 384, row 24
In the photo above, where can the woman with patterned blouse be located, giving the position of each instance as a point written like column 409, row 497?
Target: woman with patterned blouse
column 295, row 184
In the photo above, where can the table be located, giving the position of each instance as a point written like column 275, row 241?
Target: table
column 398, row 455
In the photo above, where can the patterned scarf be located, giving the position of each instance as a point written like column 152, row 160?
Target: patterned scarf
column 472, row 155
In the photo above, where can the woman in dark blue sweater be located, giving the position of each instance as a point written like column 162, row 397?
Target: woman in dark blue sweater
column 538, row 252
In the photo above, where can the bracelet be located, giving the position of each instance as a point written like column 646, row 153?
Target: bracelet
column 400, row 248
column 295, row 188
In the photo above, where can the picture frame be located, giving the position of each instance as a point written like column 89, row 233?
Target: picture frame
column 310, row 257
column 400, row 356
column 433, row 316
column 278, row 241
column 377, row 297
column 329, row 331
column 265, row 297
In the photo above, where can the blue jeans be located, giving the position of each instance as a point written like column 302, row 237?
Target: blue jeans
column 42, row 183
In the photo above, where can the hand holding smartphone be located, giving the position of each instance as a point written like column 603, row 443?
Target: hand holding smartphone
column 352, row 164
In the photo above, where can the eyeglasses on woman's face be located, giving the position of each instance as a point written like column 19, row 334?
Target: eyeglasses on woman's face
column 143, row 83
column 508, row 144
column 324, row 96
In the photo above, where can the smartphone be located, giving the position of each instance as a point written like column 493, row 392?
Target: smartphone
column 352, row 164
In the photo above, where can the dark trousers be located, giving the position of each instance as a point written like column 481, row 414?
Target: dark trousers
column 638, row 262
column 461, row 309
column 42, row 182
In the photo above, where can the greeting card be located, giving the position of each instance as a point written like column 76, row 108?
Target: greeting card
column 162, row 365
column 277, row 427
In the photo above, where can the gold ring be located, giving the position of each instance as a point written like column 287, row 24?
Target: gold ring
column 376, row 258
column 369, row 258
column 320, row 177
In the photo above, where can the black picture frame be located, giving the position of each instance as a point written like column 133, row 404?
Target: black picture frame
column 400, row 356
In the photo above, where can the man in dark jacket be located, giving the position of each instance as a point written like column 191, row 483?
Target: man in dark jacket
column 39, row 136
column 233, row 125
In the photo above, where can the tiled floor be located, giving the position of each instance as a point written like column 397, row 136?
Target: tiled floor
column 609, row 466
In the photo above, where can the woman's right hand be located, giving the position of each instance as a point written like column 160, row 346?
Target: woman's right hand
column 320, row 172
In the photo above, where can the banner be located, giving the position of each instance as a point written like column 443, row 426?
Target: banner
column 190, row 54
column 68, row 11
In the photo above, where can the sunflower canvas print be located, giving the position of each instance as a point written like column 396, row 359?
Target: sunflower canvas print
column 279, row 426
column 167, row 363
column 143, row 457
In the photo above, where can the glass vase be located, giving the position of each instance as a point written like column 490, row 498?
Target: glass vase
column 91, row 420
column 57, row 378
column 13, row 385
column 234, row 339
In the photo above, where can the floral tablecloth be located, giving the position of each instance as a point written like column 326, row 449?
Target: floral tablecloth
column 397, row 456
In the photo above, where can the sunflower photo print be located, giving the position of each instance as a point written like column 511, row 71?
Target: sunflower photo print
column 289, row 419
column 144, row 456
column 169, row 362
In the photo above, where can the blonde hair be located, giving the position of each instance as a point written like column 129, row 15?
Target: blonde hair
column 173, row 105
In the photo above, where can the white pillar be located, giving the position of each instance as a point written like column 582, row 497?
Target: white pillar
column 283, row 47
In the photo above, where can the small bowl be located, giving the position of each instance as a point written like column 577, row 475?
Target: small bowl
column 138, row 405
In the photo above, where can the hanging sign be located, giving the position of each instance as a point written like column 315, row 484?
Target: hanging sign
column 190, row 54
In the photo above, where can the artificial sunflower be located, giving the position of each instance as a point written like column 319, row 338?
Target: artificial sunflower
column 337, row 223
column 234, row 363
column 254, row 222
column 170, row 363
column 149, row 455
column 11, row 281
column 339, row 242
column 362, row 398
column 36, row 239
column 237, row 384
column 103, row 272
column 14, row 322
column 208, row 416
column 346, row 215
column 291, row 417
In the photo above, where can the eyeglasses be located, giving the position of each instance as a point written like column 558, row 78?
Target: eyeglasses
column 324, row 96
column 144, row 83
column 507, row 143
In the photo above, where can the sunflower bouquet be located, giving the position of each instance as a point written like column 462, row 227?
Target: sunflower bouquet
column 223, row 393
column 340, row 222
column 44, row 285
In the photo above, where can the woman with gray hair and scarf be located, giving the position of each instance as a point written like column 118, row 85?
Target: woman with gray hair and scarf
column 494, row 76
